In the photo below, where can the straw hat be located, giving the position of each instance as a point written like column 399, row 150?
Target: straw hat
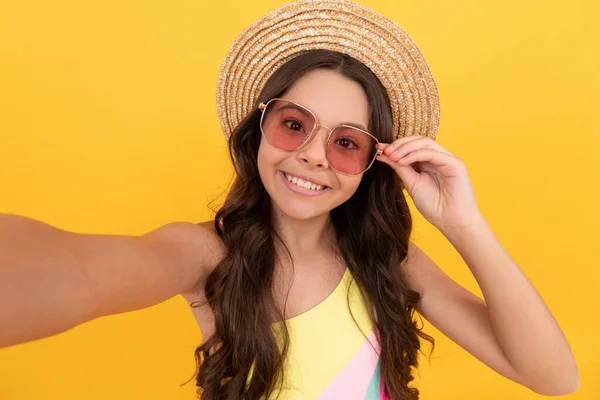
column 338, row 25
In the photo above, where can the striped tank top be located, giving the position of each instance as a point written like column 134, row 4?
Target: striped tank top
column 329, row 357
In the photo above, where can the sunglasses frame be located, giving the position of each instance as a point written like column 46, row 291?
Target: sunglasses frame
column 263, row 106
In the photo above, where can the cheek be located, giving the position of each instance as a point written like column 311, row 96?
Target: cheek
column 268, row 159
column 260, row 157
column 348, row 185
column 265, row 155
column 263, row 162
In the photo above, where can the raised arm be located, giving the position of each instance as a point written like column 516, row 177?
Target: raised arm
column 52, row 280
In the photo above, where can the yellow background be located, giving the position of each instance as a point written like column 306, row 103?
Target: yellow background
column 108, row 125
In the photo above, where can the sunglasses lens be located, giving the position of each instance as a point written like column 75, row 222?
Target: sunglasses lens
column 350, row 150
column 286, row 125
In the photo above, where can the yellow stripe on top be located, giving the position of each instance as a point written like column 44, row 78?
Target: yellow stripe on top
column 323, row 340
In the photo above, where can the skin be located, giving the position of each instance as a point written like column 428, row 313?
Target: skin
column 302, row 220
column 530, row 350
column 510, row 330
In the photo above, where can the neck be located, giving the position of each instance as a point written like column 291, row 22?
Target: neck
column 305, row 238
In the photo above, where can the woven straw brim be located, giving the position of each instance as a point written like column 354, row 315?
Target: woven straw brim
column 337, row 25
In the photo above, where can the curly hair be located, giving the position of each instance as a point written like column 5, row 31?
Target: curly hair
column 243, row 358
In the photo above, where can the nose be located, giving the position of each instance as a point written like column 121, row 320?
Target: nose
column 314, row 153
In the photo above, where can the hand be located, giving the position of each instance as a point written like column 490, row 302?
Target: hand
column 435, row 179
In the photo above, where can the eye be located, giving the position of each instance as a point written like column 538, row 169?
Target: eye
column 294, row 125
column 347, row 143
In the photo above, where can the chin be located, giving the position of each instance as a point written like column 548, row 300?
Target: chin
column 298, row 211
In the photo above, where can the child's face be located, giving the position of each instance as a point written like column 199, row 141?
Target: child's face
column 335, row 100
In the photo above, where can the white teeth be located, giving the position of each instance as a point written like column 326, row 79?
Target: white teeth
column 304, row 184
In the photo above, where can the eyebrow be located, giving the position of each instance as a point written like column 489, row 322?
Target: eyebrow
column 304, row 111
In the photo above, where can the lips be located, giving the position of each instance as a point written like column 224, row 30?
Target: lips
column 300, row 190
column 306, row 178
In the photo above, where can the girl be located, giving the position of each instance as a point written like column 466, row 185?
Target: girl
column 306, row 283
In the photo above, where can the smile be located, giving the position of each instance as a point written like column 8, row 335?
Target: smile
column 302, row 186
column 302, row 183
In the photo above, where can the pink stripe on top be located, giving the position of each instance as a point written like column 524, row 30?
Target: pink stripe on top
column 353, row 381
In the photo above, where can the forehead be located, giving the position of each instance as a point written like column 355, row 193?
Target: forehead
column 335, row 99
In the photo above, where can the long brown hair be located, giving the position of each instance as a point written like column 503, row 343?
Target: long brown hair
column 243, row 358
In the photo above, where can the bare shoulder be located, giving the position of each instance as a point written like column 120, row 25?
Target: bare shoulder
column 198, row 243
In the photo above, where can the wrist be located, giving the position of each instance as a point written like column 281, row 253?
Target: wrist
column 472, row 230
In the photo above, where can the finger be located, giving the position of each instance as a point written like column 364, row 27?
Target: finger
column 411, row 146
column 407, row 173
column 432, row 156
column 382, row 146
column 398, row 142
column 424, row 143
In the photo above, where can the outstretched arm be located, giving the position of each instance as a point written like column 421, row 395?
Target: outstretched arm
column 52, row 280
